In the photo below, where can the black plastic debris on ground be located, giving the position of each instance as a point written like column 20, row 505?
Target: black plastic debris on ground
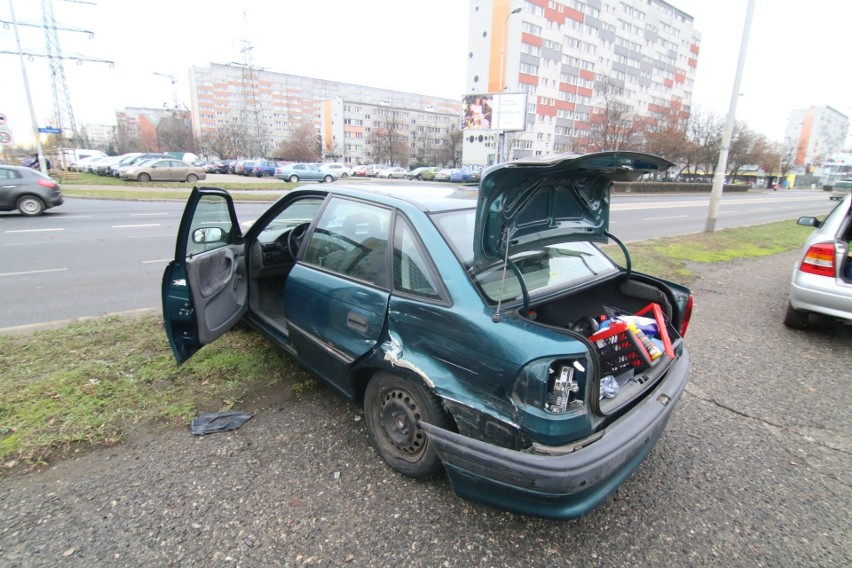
column 212, row 422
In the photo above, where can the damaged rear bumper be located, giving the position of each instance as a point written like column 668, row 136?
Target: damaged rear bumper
column 563, row 486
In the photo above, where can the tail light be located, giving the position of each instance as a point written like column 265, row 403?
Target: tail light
column 687, row 314
column 50, row 184
column 819, row 260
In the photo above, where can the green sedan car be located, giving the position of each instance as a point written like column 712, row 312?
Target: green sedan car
column 485, row 333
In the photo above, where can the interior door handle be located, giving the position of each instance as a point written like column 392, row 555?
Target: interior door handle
column 356, row 322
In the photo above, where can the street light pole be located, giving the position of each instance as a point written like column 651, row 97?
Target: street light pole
column 722, row 165
column 502, row 85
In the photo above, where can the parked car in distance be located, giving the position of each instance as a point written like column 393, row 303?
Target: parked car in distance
column 443, row 174
column 429, row 174
column 115, row 169
column 297, row 172
column 264, row 168
column 822, row 278
column 102, row 167
column 246, row 168
column 27, row 190
column 341, row 171
column 417, row 173
column 526, row 386
column 359, row 171
column 373, row 170
column 392, row 173
column 459, row 175
column 160, row 169
column 841, row 189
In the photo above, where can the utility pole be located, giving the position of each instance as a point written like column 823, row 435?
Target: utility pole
column 722, row 166
column 64, row 112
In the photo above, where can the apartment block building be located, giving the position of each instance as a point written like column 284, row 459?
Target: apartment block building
column 572, row 58
column 814, row 134
column 343, row 114
column 98, row 136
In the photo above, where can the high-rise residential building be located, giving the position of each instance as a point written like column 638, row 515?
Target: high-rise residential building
column 814, row 134
column 98, row 136
column 577, row 61
column 272, row 106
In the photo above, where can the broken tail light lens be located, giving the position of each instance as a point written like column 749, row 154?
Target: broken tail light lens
column 819, row 260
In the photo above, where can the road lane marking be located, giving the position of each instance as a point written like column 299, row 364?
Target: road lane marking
column 33, row 231
column 77, row 216
column 135, row 226
column 662, row 218
column 157, row 261
column 33, row 272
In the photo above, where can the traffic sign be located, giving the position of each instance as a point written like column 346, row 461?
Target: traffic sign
column 2, row 119
column 50, row 130
column 5, row 137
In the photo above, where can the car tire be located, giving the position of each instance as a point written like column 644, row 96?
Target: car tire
column 393, row 408
column 265, row 174
column 143, row 178
column 328, row 179
column 30, row 205
column 191, row 178
column 293, row 179
column 344, row 175
column 795, row 319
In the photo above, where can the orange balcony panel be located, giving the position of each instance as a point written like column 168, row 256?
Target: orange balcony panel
column 566, row 88
column 584, row 91
column 692, row 62
column 694, row 49
column 565, row 105
column 544, row 110
column 554, row 16
column 668, row 82
column 527, row 79
column 531, row 39
column 587, row 75
column 574, row 14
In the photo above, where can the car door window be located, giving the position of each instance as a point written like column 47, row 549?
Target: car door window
column 351, row 238
column 413, row 270
column 210, row 227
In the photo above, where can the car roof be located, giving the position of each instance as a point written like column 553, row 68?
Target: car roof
column 426, row 198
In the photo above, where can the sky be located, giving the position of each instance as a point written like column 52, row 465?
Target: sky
column 796, row 51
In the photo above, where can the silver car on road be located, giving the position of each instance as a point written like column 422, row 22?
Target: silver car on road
column 822, row 278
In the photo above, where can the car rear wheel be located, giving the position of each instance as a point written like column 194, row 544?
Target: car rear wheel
column 344, row 175
column 143, row 177
column 30, row 205
column 265, row 174
column 794, row 318
column 393, row 409
column 328, row 179
column 191, row 178
column 293, row 179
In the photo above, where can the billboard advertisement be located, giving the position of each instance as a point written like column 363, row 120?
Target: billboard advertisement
column 505, row 112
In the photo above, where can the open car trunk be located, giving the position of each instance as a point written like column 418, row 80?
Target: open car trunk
column 600, row 314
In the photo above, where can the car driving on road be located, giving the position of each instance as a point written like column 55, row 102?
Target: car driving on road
column 483, row 330
column 27, row 190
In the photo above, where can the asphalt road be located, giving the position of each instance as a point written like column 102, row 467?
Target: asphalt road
column 754, row 469
column 94, row 257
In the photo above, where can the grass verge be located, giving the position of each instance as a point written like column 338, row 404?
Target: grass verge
column 89, row 383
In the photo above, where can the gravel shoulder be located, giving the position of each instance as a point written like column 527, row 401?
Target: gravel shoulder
column 754, row 469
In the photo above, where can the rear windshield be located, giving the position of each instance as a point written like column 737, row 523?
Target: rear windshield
column 551, row 267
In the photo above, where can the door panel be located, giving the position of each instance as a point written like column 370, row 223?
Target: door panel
column 204, row 289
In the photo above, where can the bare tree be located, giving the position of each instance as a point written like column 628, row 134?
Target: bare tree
column 125, row 140
column 704, row 135
column 614, row 125
column 174, row 133
column 303, row 146
column 665, row 135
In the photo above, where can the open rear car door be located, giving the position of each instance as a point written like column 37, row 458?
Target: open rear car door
column 204, row 289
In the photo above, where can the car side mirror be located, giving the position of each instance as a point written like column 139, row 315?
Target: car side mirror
column 808, row 222
column 208, row 235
